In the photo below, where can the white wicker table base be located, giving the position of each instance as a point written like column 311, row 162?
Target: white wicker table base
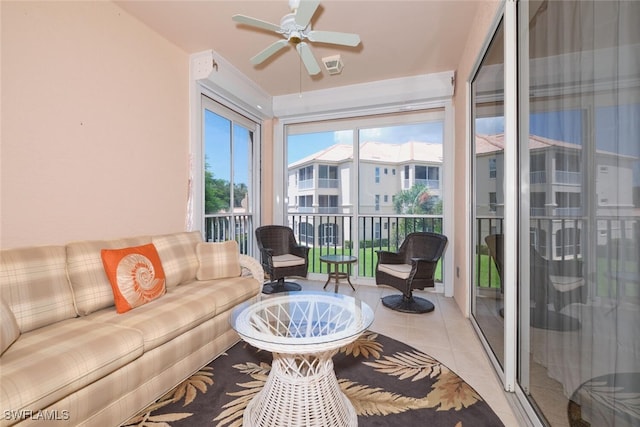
column 301, row 390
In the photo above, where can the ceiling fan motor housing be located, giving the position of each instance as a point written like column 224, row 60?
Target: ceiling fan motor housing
column 293, row 32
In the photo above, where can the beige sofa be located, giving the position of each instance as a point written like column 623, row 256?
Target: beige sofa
column 68, row 358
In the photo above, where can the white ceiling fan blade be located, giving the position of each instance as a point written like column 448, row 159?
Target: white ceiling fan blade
column 270, row 50
column 305, row 11
column 345, row 39
column 257, row 23
column 308, row 59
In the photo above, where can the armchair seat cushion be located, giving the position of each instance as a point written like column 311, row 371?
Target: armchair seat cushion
column 566, row 284
column 401, row 271
column 287, row 260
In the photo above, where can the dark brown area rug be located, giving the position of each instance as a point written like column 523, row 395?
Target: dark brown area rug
column 388, row 382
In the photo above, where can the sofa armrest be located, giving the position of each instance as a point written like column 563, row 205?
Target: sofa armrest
column 251, row 266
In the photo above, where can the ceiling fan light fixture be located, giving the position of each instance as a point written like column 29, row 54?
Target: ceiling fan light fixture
column 333, row 64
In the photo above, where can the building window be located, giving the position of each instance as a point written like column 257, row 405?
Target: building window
column 377, row 202
column 305, row 178
column 327, row 176
column 393, row 171
column 305, row 203
column 386, row 198
column 493, row 200
column 328, row 234
column 377, row 175
column 306, row 233
column 429, row 176
column 492, row 168
column 327, row 204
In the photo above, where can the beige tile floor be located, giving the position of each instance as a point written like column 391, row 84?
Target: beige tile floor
column 444, row 334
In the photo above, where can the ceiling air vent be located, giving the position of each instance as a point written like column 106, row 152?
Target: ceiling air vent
column 333, row 64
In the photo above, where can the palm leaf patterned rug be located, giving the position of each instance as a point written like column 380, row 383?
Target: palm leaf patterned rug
column 388, row 382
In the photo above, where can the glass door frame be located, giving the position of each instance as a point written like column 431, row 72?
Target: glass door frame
column 506, row 14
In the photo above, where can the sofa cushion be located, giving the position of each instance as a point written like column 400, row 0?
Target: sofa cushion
column 229, row 292
column 33, row 282
column 178, row 255
column 181, row 308
column 91, row 286
column 50, row 363
column 9, row 331
column 135, row 274
column 218, row 260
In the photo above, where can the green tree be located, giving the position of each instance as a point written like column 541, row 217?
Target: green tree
column 417, row 200
column 217, row 194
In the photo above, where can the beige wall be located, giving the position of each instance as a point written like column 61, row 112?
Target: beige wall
column 94, row 139
column 484, row 18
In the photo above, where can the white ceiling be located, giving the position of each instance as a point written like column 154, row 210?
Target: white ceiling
column 399, row 38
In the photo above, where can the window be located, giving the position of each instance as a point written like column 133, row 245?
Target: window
column 360, row 149
column 492, row 167
column 328, row 176
column 493, row 200
column 227, row 174
column 328, row 234
column 328, row 204
column 305, row 178
column 306, row 233
column 305, row 203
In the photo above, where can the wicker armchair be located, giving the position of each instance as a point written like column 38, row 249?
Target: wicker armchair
column 557, row 290
column 412, row 267
column 545, row 288
column 281, row 257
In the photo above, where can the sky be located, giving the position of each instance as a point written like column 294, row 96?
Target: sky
column 300, row 146
column 617, row 129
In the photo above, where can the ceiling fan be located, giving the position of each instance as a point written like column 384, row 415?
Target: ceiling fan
column 295, row 27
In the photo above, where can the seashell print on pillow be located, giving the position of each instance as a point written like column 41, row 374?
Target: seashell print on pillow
column 135, row 274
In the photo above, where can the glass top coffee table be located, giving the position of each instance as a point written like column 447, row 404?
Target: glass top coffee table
column 303, row 330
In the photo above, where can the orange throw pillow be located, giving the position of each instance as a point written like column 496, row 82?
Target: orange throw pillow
column 135, row 274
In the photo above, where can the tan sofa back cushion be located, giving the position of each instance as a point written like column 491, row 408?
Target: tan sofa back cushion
column 177, row 252
column 33, row 282
column 9, row 329
column 91, row 286
column 218, row 260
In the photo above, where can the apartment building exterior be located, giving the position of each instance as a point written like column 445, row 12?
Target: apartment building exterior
column 557, row 205
column 329, row 185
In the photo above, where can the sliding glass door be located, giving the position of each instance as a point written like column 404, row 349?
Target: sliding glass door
column 488, row 145
column 575, row 282
column 228, row 164
column 581, row 146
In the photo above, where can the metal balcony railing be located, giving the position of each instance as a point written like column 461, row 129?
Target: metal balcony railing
column 361, row 237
